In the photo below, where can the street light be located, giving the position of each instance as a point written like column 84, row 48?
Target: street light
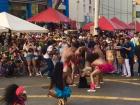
column 77, row 23
column 134, row 13
column 96, row 16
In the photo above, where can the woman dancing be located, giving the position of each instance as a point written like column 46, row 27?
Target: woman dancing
column 62, row 77
column 99, row 66
column 59, row 87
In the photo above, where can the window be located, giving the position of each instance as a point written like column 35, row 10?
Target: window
column 137, row 14
column 89, row 1
column 90, row 9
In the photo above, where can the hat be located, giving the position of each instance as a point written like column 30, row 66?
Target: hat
column 50, row 48
column 20, row 90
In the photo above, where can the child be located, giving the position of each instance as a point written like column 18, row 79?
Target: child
column 14, row 95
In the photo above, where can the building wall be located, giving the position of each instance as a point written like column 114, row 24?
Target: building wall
column 117, row 8
column 138, row 13
column 4, row 5
column 81, row 11
column 121, row 9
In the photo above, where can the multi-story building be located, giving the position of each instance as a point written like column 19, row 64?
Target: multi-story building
column 83, row 10
column 23, row 8
column 79, row 10
column 27, row 8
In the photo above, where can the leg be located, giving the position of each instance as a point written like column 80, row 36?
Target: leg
column 131, row 61
column 35, row 66
column 92, row 75
column 101, row 78
column 97, row 81
column 128, row 67
column 124, row 68
column 139, row 67
column 29, row 67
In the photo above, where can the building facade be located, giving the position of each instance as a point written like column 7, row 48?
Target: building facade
column 78, row 10
column 28, row 8
column 83, row 10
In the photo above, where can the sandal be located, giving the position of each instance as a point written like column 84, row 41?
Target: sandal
column 61, row 102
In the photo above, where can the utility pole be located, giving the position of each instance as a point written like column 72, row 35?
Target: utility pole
column 96, row 16
column 134, row 13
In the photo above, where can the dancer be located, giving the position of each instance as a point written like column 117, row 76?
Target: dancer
column 100, row 66
column 14, row 95
column 59, row 87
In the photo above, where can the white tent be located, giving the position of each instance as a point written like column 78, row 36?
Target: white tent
column 3, row 29
column 18, row 25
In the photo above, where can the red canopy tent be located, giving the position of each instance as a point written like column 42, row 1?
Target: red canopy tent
column 104, row 24
column 49, row 15
column 135, row 25
column 120, row 23
column 87, row 26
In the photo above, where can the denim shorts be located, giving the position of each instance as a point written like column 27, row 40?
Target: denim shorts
column 29, row 57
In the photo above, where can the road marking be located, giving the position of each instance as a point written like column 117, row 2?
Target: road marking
column 120, row 81
column 111, row 80
column 31, row 86
column 89, row 97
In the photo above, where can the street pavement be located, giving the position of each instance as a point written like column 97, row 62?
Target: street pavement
column 116, row 90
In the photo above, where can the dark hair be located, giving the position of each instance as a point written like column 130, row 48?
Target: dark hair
column 10, row 94
column 57, row 77
column 92, row 57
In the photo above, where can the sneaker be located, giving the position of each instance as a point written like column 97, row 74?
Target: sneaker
column 123, row 75
column 128, row 76
column 101, row 82
column 30, row 75
column 38, row 74
column 97, row 87
column 91, row 90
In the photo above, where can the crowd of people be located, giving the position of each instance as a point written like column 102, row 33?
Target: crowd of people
column 64, row 56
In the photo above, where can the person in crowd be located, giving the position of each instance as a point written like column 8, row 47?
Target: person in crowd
column 119, row 58
column 137, row 52
column 48, row 61
column 28, row 47
column 14, row 95
column 127, row 54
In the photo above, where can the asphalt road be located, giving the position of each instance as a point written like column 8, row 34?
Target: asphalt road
column 115, row 91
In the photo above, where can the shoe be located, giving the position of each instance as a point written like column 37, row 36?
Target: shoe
column 38, row 74
column 97, row 87
column 91, row 90
column 128, row 76
column 30, row 75
column 124, row 75
column 102, row 82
